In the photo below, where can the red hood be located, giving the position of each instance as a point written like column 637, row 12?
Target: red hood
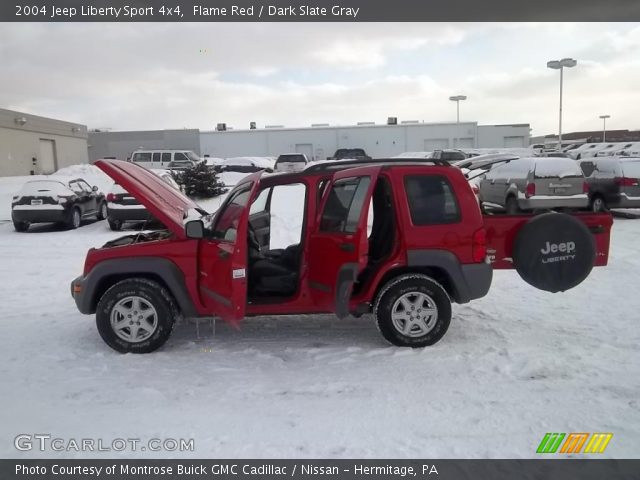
column 165, row 203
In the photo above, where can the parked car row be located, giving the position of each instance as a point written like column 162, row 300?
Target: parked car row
column 514, row 184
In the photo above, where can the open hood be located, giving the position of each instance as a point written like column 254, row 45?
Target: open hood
column 163, row 201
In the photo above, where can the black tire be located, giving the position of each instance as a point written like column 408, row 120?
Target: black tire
column 21, row 226
column 598, row 204
column 102, row 211
column 412, row 286
column 554, row 252
column 115, row 225
column 512, row 207
column 124, row 293
column 75, row 219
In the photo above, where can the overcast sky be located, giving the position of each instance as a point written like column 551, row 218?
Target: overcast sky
column 156, row 76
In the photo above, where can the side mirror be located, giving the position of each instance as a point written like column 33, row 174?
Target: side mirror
column 194, row 229
column 94, row 188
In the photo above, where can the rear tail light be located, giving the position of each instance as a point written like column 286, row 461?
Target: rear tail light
column 585, row 187
column 626, row 182
column 62, row 199
column 111, row 197
column 530, row 191
column 479, row 245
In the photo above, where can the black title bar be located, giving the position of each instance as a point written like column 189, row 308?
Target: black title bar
column 318, row 10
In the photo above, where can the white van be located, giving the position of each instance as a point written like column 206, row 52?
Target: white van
column 162, row 158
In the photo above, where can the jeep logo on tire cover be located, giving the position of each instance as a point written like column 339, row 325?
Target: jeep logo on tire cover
column 566, row 247
column 554, row 252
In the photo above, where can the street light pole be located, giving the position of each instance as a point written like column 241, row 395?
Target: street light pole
column 457, row 99
column 604, row 127
column 560, row 65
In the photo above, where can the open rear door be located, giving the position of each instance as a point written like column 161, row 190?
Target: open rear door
column 222, row 259
column 339, row 242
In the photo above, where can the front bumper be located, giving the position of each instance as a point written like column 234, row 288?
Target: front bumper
column 77, row 293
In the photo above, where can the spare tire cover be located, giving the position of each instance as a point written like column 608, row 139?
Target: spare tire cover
column 554, row 252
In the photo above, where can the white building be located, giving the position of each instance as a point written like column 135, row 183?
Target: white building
column 32, row 145
column 379, row 141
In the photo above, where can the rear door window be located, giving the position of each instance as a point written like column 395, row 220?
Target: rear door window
column 142, row 157
column 166, row 157
column 156, row 157
column 344, row 205
column 431, row 200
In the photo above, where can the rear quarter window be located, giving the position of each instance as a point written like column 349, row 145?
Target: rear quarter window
column 431, row 200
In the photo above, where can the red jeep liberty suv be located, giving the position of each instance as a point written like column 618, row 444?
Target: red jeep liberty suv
column 428, row 245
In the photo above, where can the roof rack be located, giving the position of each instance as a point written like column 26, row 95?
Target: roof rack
column 338, row 164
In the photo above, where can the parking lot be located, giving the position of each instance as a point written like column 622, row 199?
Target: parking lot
column 514, row 365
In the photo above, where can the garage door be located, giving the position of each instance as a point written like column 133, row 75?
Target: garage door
column 47, row 159
column 464, row 142
column 514, row 142
column 431, row 144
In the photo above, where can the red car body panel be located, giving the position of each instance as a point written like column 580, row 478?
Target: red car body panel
column 215, row 270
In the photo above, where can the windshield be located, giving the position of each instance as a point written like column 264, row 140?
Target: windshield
column 192, row 156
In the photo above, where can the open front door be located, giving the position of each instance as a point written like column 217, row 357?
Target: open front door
column 339, row 242
column 222, row 258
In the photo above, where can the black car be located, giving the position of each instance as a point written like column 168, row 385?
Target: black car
column 350, row 153
column 614, row 182
column 67, row 202
column 122, row 207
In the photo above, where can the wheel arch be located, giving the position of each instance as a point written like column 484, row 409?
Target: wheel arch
column 161, row 270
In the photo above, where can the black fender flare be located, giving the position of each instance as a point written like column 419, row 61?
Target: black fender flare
column 162, row 268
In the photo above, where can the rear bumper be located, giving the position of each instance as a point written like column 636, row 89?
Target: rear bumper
column 125, row 214
column 53, row 213
column 554, row 201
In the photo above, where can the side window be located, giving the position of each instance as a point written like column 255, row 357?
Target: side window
column 587, row 168
column 142, row 157
column 180, row 156
column 287, row 208
column 75, row 187
column 85, row 186
column 166, row 157
column 431, row 200
column 259, row 205
column 228, row 220
column 344, row 205
column 156, row 157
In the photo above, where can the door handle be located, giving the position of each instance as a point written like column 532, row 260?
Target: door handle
column 223, row 254
column 347, row 247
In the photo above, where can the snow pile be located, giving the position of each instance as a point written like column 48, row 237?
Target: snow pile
column 513, row 366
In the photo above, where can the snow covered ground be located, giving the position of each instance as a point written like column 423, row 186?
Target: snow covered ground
column 513, row 366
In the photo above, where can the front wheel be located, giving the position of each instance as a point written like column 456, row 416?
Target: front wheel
column 136, row 316
column 413, row 311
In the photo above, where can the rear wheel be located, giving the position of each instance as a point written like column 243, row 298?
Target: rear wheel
column 21, row 226
column 598, row 204
column 75, row 218
column 413, row 311
column 136, row 316
column 102, row 211
column 115, row 225
column 512, row 206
